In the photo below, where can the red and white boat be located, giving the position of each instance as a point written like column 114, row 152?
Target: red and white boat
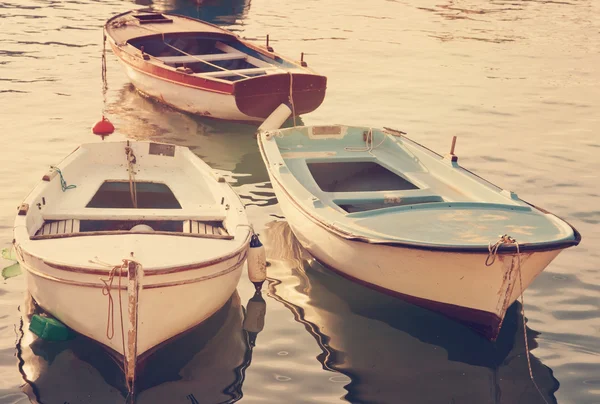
column 201, row 68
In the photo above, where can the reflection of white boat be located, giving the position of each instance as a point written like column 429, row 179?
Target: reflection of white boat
column 206, row 363
column 392, row 351
column 206, row 70
column 383, row 210
column 150, row 237
column 221, row 144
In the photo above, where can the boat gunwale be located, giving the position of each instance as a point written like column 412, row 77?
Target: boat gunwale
column 123, row 273
column 474, row 249
column 154, row 271
column 153, row 61
column 202, row 168
column 195, row 78
column 271, row 55
column 125, row 232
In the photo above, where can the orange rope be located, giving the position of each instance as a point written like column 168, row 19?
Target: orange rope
column 110, row 321
column 106, row 291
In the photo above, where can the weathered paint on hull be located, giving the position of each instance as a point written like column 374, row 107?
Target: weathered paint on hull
column 250, row 100
column 163, row 311
column 458, row 285
column 260, row 96
column 190, row 99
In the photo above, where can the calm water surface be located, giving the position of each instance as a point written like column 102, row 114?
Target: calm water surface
column 517, row 81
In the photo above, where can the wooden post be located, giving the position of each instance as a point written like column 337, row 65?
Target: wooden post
column 270, row 49
column 453, row 145
column 302, row 62
column 130, row 353
column 451, row 156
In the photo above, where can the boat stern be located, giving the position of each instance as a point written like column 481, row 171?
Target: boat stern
column 260, row 96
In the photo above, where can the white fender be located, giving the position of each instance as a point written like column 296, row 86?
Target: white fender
column 257, row 262
column 276, row 119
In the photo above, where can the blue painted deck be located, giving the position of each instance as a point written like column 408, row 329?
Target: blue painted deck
column 447, row 206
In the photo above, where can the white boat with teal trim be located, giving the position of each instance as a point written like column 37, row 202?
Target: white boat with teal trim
column 385, row 211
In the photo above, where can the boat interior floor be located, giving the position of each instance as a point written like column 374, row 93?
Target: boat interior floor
column 209, row 57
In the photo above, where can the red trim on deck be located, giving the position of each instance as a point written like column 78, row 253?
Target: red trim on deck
column 172, row 76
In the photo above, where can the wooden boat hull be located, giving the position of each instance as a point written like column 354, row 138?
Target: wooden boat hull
column 251, row 101
column 167, row 305
column 245, row 97
column 385, row 211
column 187, row 98
column 200, row 363
column 386, row 346
column 465, row 288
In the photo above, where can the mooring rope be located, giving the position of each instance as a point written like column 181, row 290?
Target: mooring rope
column 291, row 97
column 106, row 291
column 104, row 76
column 63, row 183
column 369, row 147
column 491, row 258
column 130, row 168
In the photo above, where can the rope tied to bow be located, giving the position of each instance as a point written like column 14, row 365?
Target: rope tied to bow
column 63, row 183
column 115, row 270
column 491, row 258
column 493, row 249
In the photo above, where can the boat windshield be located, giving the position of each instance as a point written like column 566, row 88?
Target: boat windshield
column 150, row 195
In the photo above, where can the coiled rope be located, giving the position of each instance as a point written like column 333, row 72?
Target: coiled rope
column 491, row 258
column 63, row 183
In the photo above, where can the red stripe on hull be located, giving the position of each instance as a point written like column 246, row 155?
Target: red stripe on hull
column 175, row 77
column 256, row 97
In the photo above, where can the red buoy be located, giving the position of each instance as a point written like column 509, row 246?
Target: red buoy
column 103, row 128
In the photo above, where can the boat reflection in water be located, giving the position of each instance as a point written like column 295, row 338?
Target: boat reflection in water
column 207, row 364
column 395, row 352
column 223, row 145
column 214, row 11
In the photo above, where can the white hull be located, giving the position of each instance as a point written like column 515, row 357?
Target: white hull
column 388, row 212
column 132, row 269
column 455, row 280
column 164, row 311
column 187, row 98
